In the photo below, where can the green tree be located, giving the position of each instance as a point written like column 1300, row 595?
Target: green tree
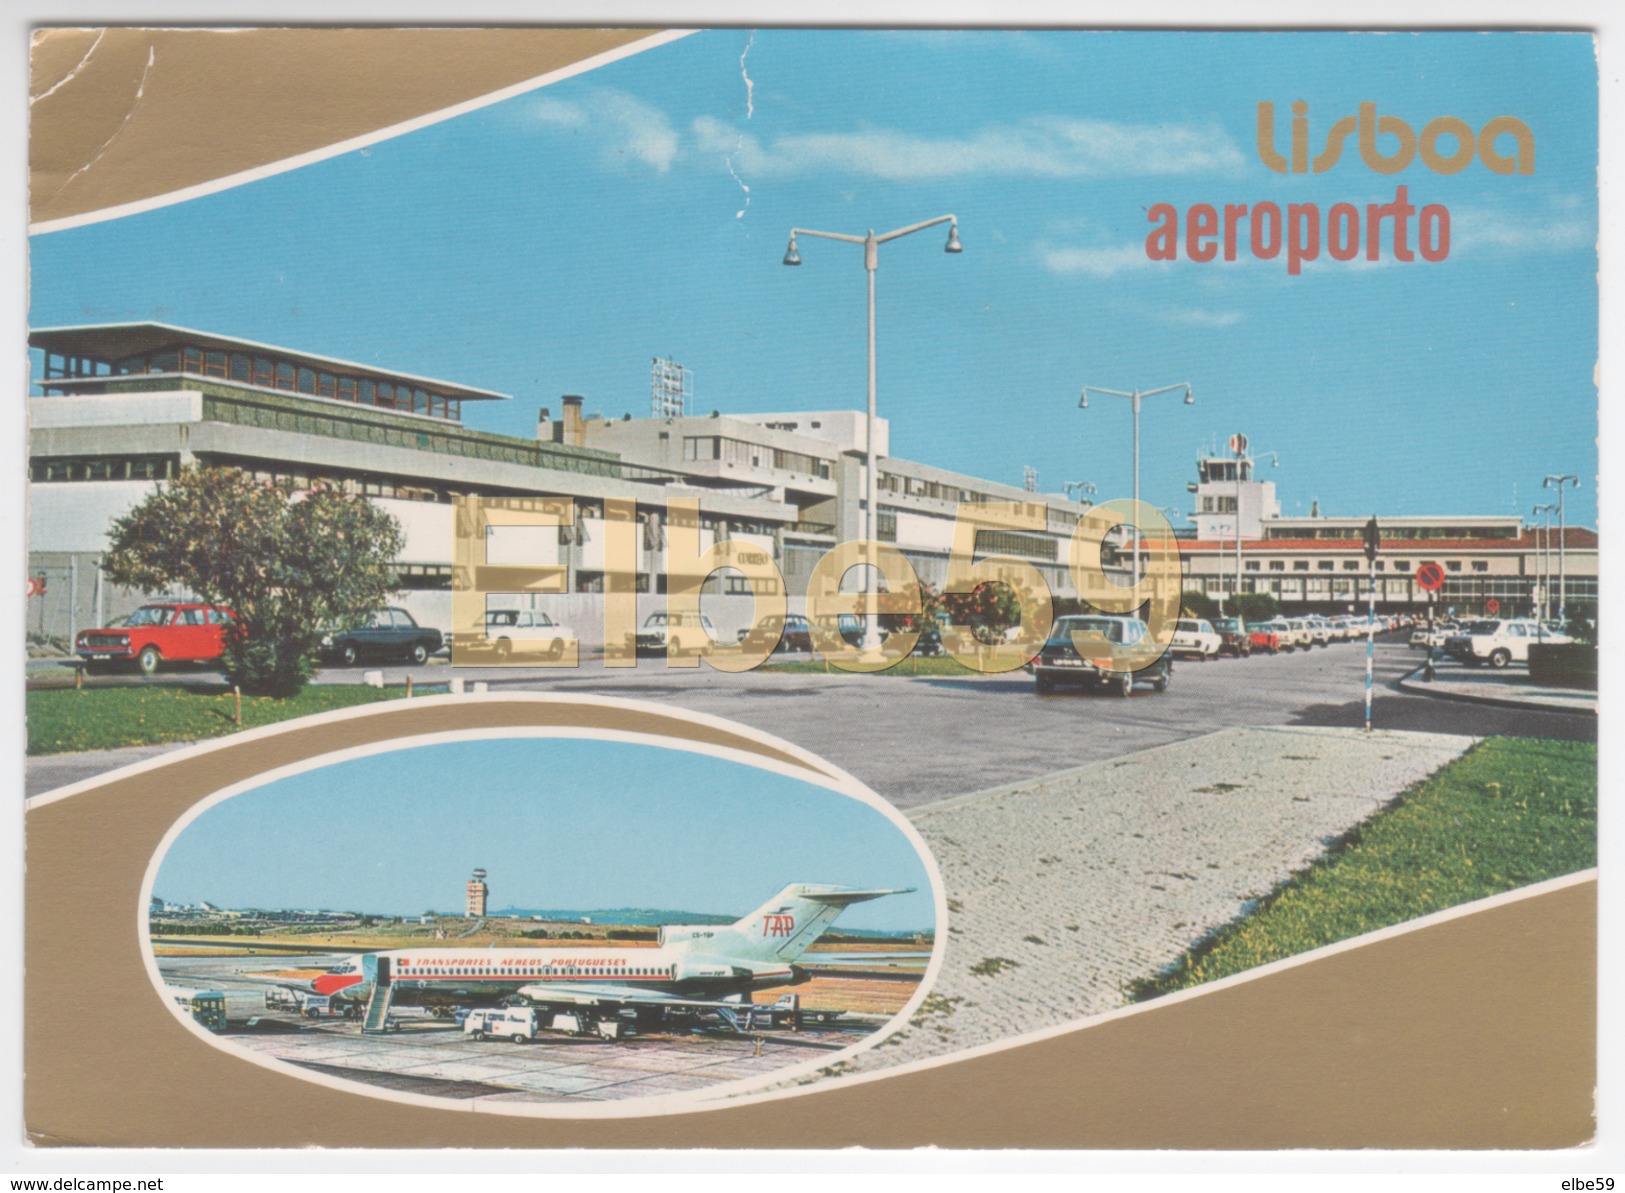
column 288, row 564
column 1199, row 605
column 1254, row 606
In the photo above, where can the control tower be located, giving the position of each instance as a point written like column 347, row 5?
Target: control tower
column 1226, row 491
column 478, row 894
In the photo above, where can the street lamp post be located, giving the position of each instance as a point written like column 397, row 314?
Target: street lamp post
column 1562, row 545
column 871, row 261
column 1135, row 397
column 1071, row 487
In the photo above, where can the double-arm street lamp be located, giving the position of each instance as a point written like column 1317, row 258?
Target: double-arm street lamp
column 1562, row 556
column 1079, row 487
column 871, row 260
column 1135, row 397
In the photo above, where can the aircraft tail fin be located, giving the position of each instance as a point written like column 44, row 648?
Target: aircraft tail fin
column 786, row 925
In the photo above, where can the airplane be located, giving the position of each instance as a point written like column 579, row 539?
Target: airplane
column 693, row 969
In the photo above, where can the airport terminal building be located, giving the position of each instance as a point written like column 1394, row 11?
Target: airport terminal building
column 1317, row 564
column 120, row 408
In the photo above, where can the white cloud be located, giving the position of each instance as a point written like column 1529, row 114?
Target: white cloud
column 1040, row 146
column 631, row 129
column 1094, row 262
column 1197, row 317
column 1564, row 226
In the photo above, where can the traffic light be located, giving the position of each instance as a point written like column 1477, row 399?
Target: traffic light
column 1373, row 541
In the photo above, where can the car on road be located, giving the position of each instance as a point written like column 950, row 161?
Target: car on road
column 1499, row 642
column 790, row 632
column 1234, row 636
column 504, row 627
column 1059, row 661
column 157, row 633
column 386, row 635
column 1196, row 638
column 675, row 633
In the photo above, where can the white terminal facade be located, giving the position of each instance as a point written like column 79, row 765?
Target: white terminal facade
column 119, row 408
column 1318, row 564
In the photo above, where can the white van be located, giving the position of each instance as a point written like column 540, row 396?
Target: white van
column 513, row 1023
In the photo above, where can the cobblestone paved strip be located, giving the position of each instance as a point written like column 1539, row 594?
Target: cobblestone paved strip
column 1064, row 889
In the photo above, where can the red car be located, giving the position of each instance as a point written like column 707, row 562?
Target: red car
column 166, row 631
column 1264, row 638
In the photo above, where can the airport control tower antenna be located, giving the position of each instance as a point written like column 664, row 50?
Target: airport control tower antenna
column 478, row 894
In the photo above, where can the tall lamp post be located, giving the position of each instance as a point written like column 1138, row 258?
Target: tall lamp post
column 1543, row 547
column 1135, row 397
column 1562, row 536
column 1072, row 487
column 871, row 261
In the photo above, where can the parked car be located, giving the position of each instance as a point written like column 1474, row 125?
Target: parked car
column 387, row 634
column 1432, row 637
column 1059, row 662
column 676, row 633
column 1291, row 633
column 1234, row 636
column 790, row 632
column 1265, row 636
column 1319, row 630
column 1196, row 638
column 517, row 1024
column 504, row 627
column 157, row 633
column 1500, row 642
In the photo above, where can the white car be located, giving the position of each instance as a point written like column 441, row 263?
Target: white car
column 1302, row 634
column 1195, row 637
column 675, row 633
column 504, row 627
column 1501, row 642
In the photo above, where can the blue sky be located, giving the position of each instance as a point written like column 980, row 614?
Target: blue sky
column 555, row 822
column 555, row 242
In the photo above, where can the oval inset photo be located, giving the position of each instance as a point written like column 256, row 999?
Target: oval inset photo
column 541, row 924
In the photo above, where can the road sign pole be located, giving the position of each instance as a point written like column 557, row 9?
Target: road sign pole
column 1370, row 635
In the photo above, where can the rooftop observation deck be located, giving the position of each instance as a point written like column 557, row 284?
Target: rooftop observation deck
column 306, row 394
column 104, row 358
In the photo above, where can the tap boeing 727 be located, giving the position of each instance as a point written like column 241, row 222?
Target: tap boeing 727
column 693, row 968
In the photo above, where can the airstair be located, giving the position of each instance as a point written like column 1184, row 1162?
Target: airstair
column 383, row 994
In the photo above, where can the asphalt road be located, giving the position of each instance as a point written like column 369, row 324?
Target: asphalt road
column 920, row 740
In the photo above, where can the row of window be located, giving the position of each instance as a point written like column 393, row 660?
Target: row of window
column 106, row 468
column 753, row 455
column 291, row 375
column 1355, row 565
column 1408, row 533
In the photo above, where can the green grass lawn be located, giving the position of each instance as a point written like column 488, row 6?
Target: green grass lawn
column 63, row 720
column 934, row 666
column 1508, row 813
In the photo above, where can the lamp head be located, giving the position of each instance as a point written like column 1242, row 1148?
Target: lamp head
column 1190, row 398
column 791, row 256
column 953, row 245
column 1083, row 400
